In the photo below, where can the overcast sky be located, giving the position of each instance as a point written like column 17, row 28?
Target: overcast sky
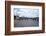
column 26, row 12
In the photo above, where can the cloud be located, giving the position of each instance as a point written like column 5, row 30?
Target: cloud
column 26, row 12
